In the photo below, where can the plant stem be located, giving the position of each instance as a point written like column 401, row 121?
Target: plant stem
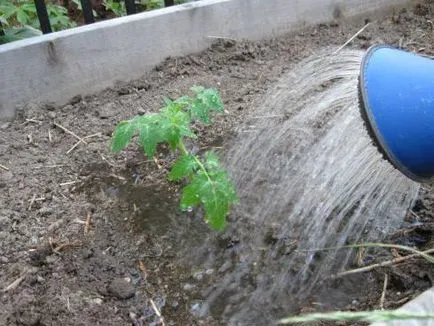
column 184, row 151
column 182, row 148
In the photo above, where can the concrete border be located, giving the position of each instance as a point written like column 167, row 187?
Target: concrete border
column 87, row 59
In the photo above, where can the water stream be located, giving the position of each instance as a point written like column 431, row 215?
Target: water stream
column 308, row 177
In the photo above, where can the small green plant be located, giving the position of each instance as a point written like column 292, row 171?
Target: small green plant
column 117, row 7
column 208, row 183
column 18, row 33
column 19, row 19
column 155, row 4
column 59, row 18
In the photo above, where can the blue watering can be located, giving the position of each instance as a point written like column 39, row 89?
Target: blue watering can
column 397, row 102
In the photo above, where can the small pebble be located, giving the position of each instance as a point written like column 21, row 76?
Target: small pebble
column 97, row 301
column 198, row 276
column 106, row 111
column 199, row 309
column 141, row 111
column 3, row 235
column 189, row 287
column 40, row 279
column 4, row 223
column 51, row 114
column 123, row 91
column 5, row 126
column 195, row 309
column 50, row 259
column 209, row 271
column 4, row 260
column 6, row 176
column 88, row 253
column 226, row 266
column 175, row 304
column 121, row 289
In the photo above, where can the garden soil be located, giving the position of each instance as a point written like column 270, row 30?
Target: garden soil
column 88, row 237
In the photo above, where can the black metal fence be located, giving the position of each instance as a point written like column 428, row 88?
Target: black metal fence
column 86, row 5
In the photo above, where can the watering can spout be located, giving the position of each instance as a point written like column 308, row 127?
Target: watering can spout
column 397, row 102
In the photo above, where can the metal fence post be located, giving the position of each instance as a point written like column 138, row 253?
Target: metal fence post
column 2, row 32
column 44, row 21
column 87, row 11
column 130, row 6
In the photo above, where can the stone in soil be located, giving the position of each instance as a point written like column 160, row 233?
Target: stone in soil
column 121, row 289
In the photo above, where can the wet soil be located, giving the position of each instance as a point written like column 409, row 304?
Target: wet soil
column 88, row 237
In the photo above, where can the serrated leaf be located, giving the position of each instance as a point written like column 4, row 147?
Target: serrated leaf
column 199, row 111
column 197, row 89
column 8, row 10
column 29, row 7
column 183, row 167
column 176, row 126
column 171, row 108
column 184, row 100
column 215, row 192
column 149, row 134
column 22, row 17
column 207, row 100
column 216, row 210
column 191, row 193
column 122, row 135
column 211, row 98
column 216, row 201
column 167, row 100
column 211, row 161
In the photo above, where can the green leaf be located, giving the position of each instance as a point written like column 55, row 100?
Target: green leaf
column 8, row 10
column 216, row 209
column 215, row 192
column 149, row 133
column 217, row 196
column 22, row 17
column 206, row 100
column 183, row 167
column 30, row 8
column 3, row 21
column 167, row 100
column 176, row 125
column 190, row 196
column 184, row 100
column 200, row 112
column 122, row 135
column 197, row 89
column 212, row 161
column 15, row 34
column 211, row 98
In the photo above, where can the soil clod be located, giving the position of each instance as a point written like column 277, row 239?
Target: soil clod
column 121, row 289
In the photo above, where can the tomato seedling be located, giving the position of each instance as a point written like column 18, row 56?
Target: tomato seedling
column 208, row 184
